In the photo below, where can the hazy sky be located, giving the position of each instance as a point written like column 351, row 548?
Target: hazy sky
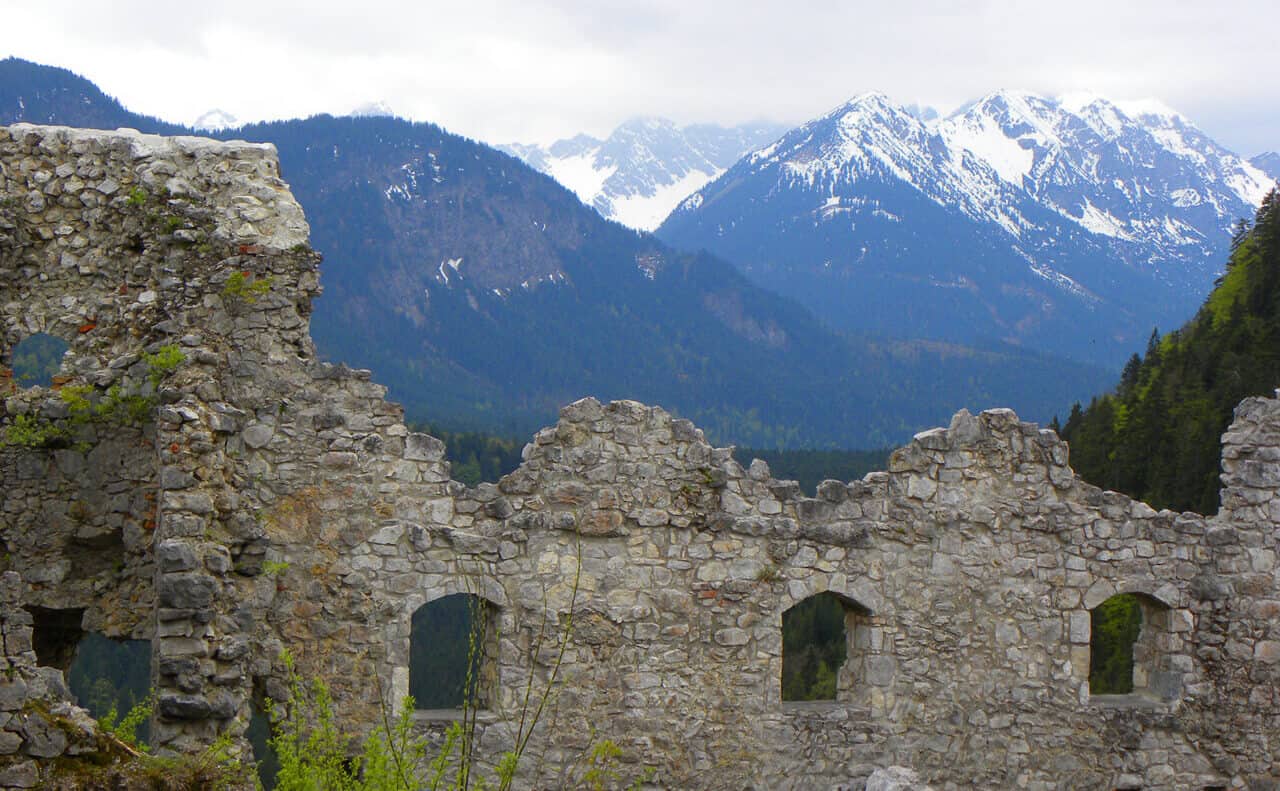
column 534, row 70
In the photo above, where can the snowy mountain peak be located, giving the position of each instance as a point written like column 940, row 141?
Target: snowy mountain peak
column 1037, row 169
column 1078, row 138
column 645, row 167
column 1089, row 205
column 872, row 103
column 376, row 109
column 1151, row 108
column 215, row 120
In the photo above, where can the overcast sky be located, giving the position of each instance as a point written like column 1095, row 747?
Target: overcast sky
column 535, row 70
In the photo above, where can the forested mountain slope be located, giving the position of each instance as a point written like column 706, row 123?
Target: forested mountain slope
column 485, row 295
column 1157, row 436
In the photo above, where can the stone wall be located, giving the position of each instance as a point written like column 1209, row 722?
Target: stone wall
column 39, row 722
column 276, row 502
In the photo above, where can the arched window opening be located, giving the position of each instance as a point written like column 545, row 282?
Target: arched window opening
column 1130, row 648
column 37, row 359
column 826, row 640
column 109, row 676
column 453, row 653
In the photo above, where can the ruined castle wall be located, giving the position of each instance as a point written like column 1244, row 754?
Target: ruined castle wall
column 978, row 556
column 276, row 503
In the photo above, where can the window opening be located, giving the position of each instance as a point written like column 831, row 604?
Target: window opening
column 37, row 359
column 452, row 652
column 1115, row 625
column 824, row 641
column 1130, row 644
column 55, row 635
column 259, row 736
column 111, row 676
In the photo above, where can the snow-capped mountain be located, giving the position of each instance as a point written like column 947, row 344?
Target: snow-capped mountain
column 1269, row 163
column 378, row 109
column 1073, row 224
column 215, row 120
column 644, row 168
column 1135, row 171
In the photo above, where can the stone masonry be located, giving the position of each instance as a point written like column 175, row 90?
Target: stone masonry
column 272, row 501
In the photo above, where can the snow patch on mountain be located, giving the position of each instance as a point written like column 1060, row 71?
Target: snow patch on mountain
column 580, row 174
column 1250, row 183
column 647, row 212
column 1101, row 222
column 986, row 140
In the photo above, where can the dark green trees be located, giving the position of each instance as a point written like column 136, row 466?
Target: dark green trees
column 814, row 646
column 1115, row 625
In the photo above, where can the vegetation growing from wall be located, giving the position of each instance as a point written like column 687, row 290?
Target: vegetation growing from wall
column 1156, row 437
column 117, row 764
column 85, row 404
column 314, row 753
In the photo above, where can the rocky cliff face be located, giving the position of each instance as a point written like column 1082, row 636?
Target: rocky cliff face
column 272, row 502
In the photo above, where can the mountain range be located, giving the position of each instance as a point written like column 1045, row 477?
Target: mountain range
column 1070, row 225
column 486, row 295
column 646, row 166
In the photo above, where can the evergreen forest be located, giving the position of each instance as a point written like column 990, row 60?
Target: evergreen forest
column 1157, row 436
column 110, row 677
column 474, row 456
column 1115, row 626
column 814, row 646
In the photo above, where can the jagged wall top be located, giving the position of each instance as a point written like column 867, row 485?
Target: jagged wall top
column 238, row 181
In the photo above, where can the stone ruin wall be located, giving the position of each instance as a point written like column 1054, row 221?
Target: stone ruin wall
column 278, row 502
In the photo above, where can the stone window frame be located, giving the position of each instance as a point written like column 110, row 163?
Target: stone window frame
column 41, row 312
column 869, row 664
column 1160, row 663
column 494, row 598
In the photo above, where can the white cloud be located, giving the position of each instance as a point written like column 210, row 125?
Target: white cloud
column 535, row 69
